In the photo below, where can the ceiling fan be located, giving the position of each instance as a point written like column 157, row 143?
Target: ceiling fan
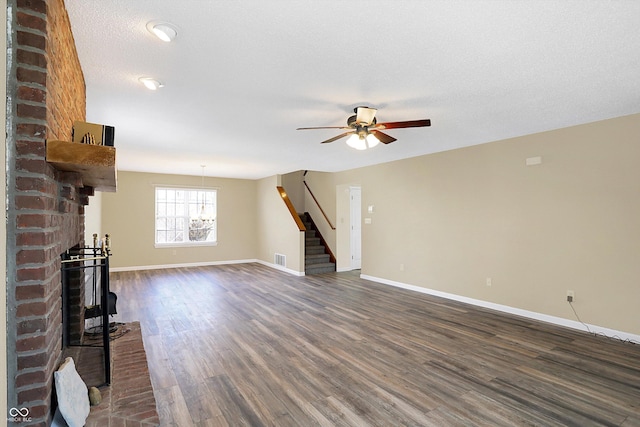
column 365, row 131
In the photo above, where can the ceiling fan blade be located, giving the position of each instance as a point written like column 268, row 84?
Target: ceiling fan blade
column 335, row 138
column 407, row 124
column 325, row 127
column 383, row 137
column 365, row 115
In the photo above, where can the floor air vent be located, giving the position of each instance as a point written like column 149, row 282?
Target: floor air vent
column 280, row 259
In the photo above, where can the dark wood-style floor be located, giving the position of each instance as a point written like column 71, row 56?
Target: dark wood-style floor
column 248, row 345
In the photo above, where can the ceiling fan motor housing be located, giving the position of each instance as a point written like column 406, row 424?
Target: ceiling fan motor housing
column 351, row 122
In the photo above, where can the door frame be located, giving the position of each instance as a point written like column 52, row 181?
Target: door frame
column 355, row 227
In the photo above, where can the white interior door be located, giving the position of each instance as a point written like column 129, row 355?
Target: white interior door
column 356, row 226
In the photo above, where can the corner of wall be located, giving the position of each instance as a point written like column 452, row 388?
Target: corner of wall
column 277, row 231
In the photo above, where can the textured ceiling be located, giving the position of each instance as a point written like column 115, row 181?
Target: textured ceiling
column 242, row 75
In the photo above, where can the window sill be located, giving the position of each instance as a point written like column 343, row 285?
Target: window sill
column 184, row 245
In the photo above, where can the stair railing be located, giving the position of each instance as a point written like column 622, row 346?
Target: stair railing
column 318, row 204
column 291, row 209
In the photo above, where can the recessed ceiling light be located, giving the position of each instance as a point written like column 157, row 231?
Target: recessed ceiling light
column 150, row 83
column 164, row 31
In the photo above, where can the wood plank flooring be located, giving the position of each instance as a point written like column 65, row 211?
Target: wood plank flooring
column 246, row 345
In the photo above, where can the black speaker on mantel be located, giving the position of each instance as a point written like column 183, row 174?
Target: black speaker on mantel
column 108, row 134
column 94, row 134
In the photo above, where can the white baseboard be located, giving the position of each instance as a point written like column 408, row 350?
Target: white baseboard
column 188, row 264
column 206, row 264
column 281, row 268
column 511, row 310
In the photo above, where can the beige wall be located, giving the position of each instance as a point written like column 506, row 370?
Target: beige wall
column 277, row 230
column 293, row 184
column 456, row 218
column 93, row 218
column 128, row 217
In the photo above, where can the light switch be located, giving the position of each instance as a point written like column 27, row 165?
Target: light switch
column 370, row 209
column 367, row 220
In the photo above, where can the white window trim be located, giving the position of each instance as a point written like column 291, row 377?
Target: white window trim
column 169, row 245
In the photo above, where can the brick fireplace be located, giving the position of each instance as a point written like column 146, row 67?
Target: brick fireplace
column 46, row 93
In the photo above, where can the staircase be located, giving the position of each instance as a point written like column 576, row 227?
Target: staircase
column 317, row 258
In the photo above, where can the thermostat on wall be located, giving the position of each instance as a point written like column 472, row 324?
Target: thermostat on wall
column 532, row 161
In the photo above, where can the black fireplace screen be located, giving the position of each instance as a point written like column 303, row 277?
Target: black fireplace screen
column 86, row 297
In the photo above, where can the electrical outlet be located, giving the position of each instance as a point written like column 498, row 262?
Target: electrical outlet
column 571, row 296
column 488, row 281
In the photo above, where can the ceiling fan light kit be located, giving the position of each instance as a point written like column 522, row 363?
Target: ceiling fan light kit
column 362, row 142
column 364, row 130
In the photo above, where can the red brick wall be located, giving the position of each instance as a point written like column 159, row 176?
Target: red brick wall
column 46, row 207
column 65, row 81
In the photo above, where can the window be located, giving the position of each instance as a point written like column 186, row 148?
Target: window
column 185, row 217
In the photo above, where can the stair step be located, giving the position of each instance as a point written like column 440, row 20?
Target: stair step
column 326, row 267
column 311, row 250
column 312, row 241
column 316, row 259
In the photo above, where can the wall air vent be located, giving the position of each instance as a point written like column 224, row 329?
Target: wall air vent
column 279, row 259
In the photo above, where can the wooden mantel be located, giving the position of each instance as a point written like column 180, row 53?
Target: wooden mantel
column 96, row 164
